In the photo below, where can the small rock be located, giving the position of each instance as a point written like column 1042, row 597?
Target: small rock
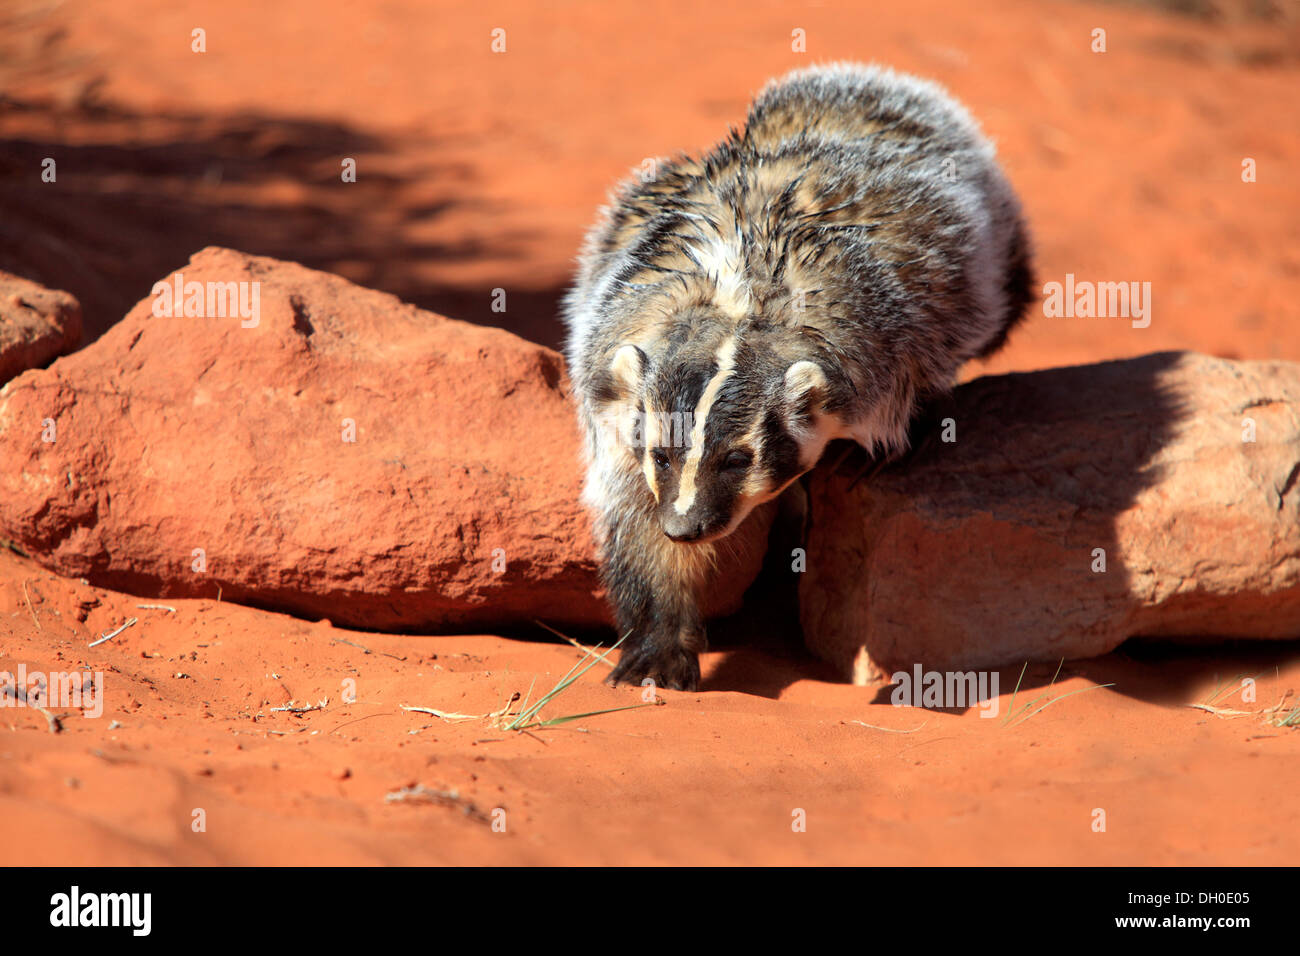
column 36, row 325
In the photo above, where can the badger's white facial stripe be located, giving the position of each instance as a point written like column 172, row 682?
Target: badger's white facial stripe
column 651, row 443
column 725, row 360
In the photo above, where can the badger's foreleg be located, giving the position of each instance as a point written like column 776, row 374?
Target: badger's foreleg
column 653, row 585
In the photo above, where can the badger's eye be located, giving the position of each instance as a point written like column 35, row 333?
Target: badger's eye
column 737, row 461
column 660, row 458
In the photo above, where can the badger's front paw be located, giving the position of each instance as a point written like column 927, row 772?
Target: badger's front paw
column 668, row 664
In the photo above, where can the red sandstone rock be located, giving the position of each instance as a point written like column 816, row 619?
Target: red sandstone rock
column 36, row 325
column 455, row 506
column 981, row 553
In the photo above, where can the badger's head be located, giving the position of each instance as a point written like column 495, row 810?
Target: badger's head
column 722, row 425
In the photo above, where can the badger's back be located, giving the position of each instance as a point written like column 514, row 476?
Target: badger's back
column 861, row 205
column 922, row 163
column 863, row 105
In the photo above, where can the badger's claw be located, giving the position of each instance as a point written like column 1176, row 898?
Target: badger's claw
column 668, row 665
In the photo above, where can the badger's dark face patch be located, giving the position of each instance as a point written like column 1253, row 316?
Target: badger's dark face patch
column 705, row 498
column 725, row 419
column 718, row 439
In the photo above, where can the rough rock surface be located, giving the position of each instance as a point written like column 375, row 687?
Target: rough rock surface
column 456, row 506
column 983, row 552
column 36, row 325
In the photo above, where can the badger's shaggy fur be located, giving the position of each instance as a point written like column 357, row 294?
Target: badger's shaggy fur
column 817, row 275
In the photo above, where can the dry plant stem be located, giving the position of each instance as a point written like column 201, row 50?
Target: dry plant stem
column 579, row 646
column 20, row 694
column 29, row 606
column 112, row 634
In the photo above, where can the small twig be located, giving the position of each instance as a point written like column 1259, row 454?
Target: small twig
column 888, row 730
column 156, row 607
column 53, row 721
column 447, row 715
column 1220, row 711
column 300, row 710
column 29, row 606
column 442, row 714
column 113, row 634
column 360, row 647
column 419, row 793
column 20, row 694
column 382, row 713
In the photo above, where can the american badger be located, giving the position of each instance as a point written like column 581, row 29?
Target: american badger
column 817, row 275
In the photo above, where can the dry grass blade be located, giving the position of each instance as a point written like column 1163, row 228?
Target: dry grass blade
column 1280, row 714
column 1283, row 715
column 450, row 715
column 579, row 646
column 292, row 708
column 30, row 608
column 888, row 730
column 1220, row 711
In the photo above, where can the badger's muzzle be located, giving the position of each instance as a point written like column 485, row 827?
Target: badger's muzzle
column 687, row 527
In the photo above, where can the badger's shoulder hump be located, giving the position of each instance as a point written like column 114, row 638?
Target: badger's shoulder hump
column 847, row 101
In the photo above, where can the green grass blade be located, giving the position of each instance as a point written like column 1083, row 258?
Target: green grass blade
column 527, row 716
column 556, row 721
column 1079, row 690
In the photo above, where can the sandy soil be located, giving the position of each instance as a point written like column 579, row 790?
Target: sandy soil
column 480, row 171
column 711, row 777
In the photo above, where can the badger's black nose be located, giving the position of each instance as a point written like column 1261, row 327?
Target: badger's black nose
column 681, row 529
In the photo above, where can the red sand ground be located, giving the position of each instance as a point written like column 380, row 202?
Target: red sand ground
column 710, row 777
column 480, row 171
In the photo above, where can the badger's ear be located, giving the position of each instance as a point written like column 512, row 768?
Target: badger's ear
column 806, row 388
column 628, row 369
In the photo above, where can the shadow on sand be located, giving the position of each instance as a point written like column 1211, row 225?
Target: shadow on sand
column 136, row 195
